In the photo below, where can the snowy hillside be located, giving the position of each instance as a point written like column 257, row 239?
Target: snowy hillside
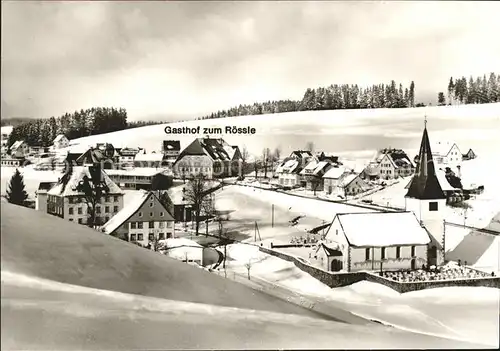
column 353, row 133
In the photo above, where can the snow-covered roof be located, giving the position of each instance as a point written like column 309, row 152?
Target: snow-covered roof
column 320, row 167
column 16, row 144
column 382, row 229
column 335, row 173
column 59, row 138
column 176, row 194
column 288, row 166
column 179, row 248
column 345, row 181
column 443, row 182
column 128, row 211
column 149, row 157
column 140, row 171
column 67, row 186
column 441, row 148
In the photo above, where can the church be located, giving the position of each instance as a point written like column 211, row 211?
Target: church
column 392, row 240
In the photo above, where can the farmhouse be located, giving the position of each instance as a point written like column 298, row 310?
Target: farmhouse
column 426, row 199
column 389, row 164
column 19, row 149
column 313, row 174
column 446, row 153
column 470, row 155
column 126, row 156
column 66, row 201
column 142, row 221
column 141, row 178
column 303, row 157
column 375, row 241
column 60, row 142
column 332, row 178
column 211, row 157
column 288, row 173
column 97, row 155
column 352, row 184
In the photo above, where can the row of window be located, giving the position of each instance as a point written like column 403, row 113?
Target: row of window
column 97, row 210
column 76, row 200
column 151, row 214
column 140, row 236
column 382, row 253
column 98, row 220
column 151, row 224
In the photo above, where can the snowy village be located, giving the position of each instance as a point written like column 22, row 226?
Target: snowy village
column 362, row 214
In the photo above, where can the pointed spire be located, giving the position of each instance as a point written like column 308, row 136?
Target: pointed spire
column 425, row 184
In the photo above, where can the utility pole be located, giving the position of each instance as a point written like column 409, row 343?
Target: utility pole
column 272, row 220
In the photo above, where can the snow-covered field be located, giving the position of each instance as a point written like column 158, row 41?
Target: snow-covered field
column 348, row 133
column 463, row 313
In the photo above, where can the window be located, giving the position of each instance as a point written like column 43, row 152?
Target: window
column 108, row 199
column 162, row 225
column 161, row 214
column 151, row 204
column 115, row 198
column 132, row 237
column 367, row 254
column 161, row 236
column 169, row 224
column 70, row 210
column 115, row 208
column 98, row 209
column 382, row 253
column 169, row 235
column 71, row 219
column 151, row 214
column 79, row 210
column 139, row 225
column 151, row 224
column 398, row 252
column 413, row 251
column 433, row 206
column 133, row 225
column 151, row 237
column 140, row 214
column 106, row 209
column 140, row 237
column 79, row 221
column 70, row 200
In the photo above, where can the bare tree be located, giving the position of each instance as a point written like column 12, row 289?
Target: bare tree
column 244, row 159
column 315, row 182
column 266, row 153
column 209, row 210
column 196, row 192
column 248, row 266
column 310, row 146
column 225, row 239
column 277, row 154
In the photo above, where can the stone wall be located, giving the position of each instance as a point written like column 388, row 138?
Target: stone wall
column 335, row 280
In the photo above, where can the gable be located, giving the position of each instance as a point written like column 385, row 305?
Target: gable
column 151, row 205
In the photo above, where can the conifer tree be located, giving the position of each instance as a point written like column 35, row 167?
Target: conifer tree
column 16, row 193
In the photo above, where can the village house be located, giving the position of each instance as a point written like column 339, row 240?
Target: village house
column 288, row 173
column 126, row 156
column 214, row 158
column 427, row 200
column 400, row 242
column 313, row 174
column 99, row 155
column 332, row 180
column 446, row 153
column 66, row 201
column 304, row 157
column 149, row 160
column 60, row 142
column 389, row 164
column 171, row 150
column 19, row 149
column 470, row 155
column 144, row 220
column 351, row 184
column 182, row 207
column 141, row 178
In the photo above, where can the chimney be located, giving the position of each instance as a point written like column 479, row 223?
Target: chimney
column 459, row 175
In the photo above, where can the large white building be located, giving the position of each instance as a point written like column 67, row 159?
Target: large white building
column 288, row 173
column 66, row 201
column 446, row 153
column 142, row 221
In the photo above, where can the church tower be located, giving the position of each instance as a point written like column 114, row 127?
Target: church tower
column 426, row 199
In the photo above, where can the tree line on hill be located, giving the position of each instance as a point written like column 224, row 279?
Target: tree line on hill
column 481, row 90
column 96, row 120
column 333, row 97
column 14, row 121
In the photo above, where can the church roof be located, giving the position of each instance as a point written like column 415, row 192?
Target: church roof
column 425, row 184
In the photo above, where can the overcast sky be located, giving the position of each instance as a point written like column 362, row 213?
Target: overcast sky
column 171, row 59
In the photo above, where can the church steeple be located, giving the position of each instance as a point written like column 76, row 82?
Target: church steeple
column 425, row 185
